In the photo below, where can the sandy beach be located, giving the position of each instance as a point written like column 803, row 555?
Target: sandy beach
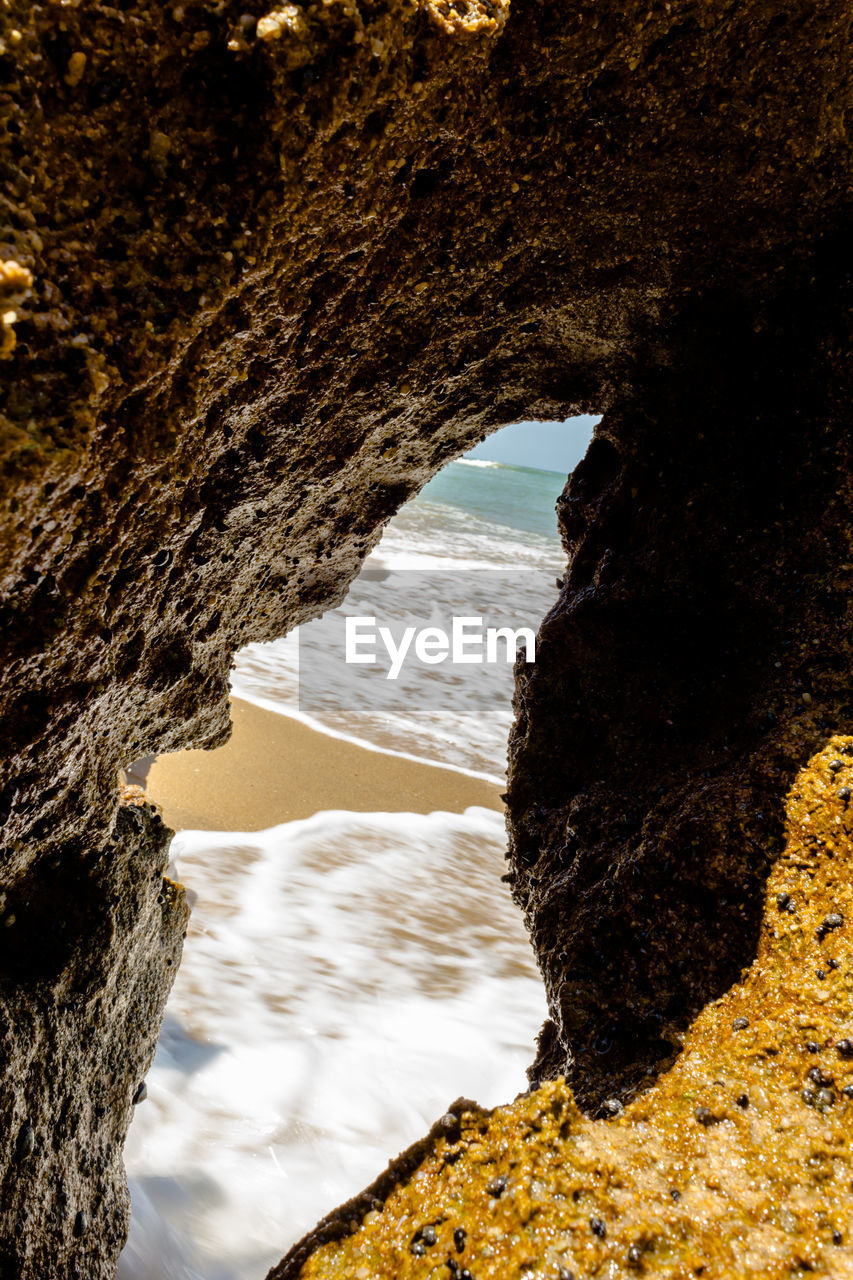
column 275, row 769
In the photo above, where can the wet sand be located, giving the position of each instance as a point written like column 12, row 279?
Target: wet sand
column 275, row 769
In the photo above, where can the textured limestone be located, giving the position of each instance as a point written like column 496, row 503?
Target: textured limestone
column 737, row 1162
column 264, row 269
column 89, row 943
column 699, row 654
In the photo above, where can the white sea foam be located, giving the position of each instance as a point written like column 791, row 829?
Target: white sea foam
column 467, row 565
column 344, row 978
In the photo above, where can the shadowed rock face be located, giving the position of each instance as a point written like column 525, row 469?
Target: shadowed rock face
column 91, row 941
column 699, row 655
column 262, row 273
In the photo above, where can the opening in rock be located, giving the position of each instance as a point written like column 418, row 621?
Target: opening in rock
column 354, row 962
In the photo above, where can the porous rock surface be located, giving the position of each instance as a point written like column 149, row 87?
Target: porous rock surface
column 262, row 271
column 737, row 1162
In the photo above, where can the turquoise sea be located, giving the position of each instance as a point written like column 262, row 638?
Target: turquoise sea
column 519, row 498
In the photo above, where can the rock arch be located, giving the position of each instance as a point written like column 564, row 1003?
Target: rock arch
column 264, row 272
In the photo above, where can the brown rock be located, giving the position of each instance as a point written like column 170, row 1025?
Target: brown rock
column 285, row 262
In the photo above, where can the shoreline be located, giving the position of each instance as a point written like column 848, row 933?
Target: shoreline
column 364, row 744
column 277, row 769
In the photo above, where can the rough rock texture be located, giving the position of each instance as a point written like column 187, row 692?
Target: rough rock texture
column 262, row 271
column 737, row 1162
column 90, row 942
column 700, row 653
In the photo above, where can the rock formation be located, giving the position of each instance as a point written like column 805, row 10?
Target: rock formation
column 264, row 270
column 736, row 1162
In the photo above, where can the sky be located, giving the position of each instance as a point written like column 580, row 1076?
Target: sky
column 546, row 446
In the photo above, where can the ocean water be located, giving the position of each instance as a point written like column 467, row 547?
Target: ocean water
column 439, row 556
column 347, row 976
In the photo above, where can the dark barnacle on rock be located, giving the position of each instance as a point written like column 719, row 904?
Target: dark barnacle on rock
column 449, row 1124
column 423, row 1239
column 833, row 920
